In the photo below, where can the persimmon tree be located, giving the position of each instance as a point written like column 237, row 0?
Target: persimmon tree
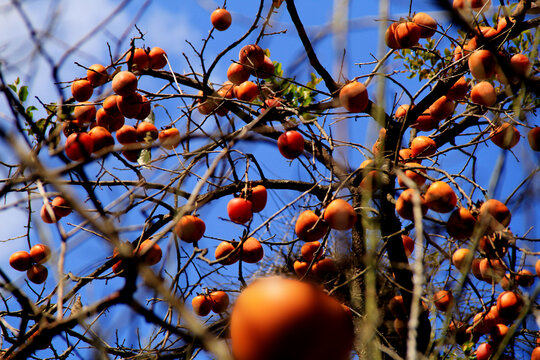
column 154, row 197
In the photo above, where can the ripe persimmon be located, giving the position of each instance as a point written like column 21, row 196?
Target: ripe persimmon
column 252, row 251
column 81, row 90
column 40, row 253
column 505, row 136
column 408, row 244
column 309, row 227
column 190, row 228
column 291, row 144
column 20, row 260
column 534, row 138
column 201, row 305
column 102, row 139
column 219, row 301
column 461, row 224
column 405, row 204
column 509, row 305
column 309, row 249
column 440, row 197
column 221, row 19
column 237, row 73
column 169, row 138
column 340, row 215
column 354, row 97
column 495, row 215
column 240, row 210
column 443, row 300
column 147, row 132
column 127, row 134
column 423, row 146
column 97, row 75
column 459, row 257
column 151, row 252
column 138, row 58
column 251, row 55
column 428, row 25
column 60, row 207
column 158, row 58
column 258, row 197
column 37, row 274
column 79, row 146
column 124, row 83
column 223, row 250
column 279, row 318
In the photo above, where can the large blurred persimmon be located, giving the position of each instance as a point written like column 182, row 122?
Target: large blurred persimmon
column 279, row 318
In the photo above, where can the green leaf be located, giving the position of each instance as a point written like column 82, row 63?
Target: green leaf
column 13, row 87
column 16, row 82
column 23, row 93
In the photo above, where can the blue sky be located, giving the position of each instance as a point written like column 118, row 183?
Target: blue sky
column 169, row 24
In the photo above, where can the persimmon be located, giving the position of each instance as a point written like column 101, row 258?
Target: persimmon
column 484, row 351
column 124, row 83
column 390, row 36
column 413, row 171
column 130, row 105
column 246, row 91
column 537, row 268
column 291, row 144
column 402, row 110
column 459, row 90
column 20, row 260
column 482, row 64
column 110, row 105
column 407, row 34
column 223, row 250
column 102, row 139
column 146, row 108
column 405, row 154
column 534, row 138
column 251, row 55
column 459, row 257
column 300, row 268
column 208, row 106
column 40, row 253
column 227, row 90
column 535, row 355
column 309, row 249
column 505, row 136
column 109, row 122
column 460, row 224
column 397, row 307
column 423, row 146
column 46, row 215
column 97, row 75
column 309, row 227
column 219, row 300
column 495, row 215
column 440, row 197
column 81, row 90
column 525, row 278
column 493, row 245
column 127, row 134
column 354, row 97
column 252, row 251
column 498, row 332
column 79, row 146
column 520, row 64
column 340, row 215
column 169, row 138
column 509, row 305
column 324, row 267
column 237, row 73
column 425, row 122
column 279, row 318
column 484, row 94
column 258, row 197
column 266, row 70
column 201, row 305
column 441, row 108
column 443, row 300
column 37, row 274
column 158, row 58
column 190, row 228
column 408, row 244
column 492, row 270
column 132, row 155
column 60, row 207
column 84, row 113
column 405, row 204
column 221, row 19
column 428, row 25
column 240, row 210
column 475, row 269
column 147, row 132
column 139, row 59
column 151, row 252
